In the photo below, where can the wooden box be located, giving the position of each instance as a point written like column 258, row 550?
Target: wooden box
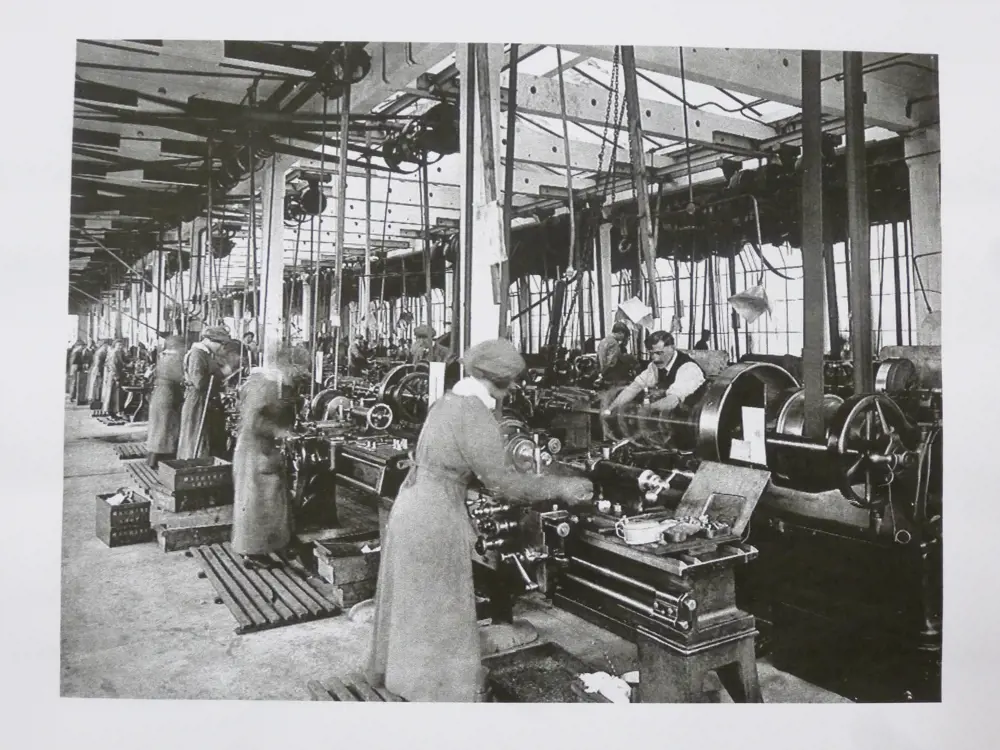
column 195, row 474
column 352, row 573
column 118, row 525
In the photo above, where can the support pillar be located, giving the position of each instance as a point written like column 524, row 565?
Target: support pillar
column 923, row 158
column 812, row 244
column 608, row 304
column 133, row 325
column 238, row 316
column 272, row 259
column 487, row 230
column 859, row 228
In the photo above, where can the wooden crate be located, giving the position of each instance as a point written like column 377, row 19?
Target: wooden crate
column 118, row 525
column 352, row 572
column 195, row 473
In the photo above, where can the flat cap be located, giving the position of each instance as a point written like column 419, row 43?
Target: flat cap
column 494, row 360
column 424, row 331
column 216, row 333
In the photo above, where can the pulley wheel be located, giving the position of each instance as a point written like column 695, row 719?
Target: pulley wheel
column 870, row 436
column 410, row 397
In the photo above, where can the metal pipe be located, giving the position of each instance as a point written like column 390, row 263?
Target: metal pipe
column 897, row 296
column 616, row 576
column 857, row 219
column 622, row 598
column 426, row 221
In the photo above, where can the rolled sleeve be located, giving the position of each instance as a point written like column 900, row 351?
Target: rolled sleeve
column 689, row 379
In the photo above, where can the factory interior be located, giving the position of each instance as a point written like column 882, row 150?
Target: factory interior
column 717, row 271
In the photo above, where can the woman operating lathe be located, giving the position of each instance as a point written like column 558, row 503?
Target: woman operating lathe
column 425, row 645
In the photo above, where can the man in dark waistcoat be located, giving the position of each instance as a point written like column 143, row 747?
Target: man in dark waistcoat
column 671, row 371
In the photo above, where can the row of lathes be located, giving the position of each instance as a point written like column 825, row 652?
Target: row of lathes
column 718, row 529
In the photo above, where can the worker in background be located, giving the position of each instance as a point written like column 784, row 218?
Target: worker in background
column 165, row 403
column 357, row 356
column 250, row 350
column 702, row 344
column 202, row 420
column 610, row 349
column 95, row 382
column 426, row 349
column 262, row 512
column 425, row 645
column 670, row 370
column 75, row 365
column 114, row 372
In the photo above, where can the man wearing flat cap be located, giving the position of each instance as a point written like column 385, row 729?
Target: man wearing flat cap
column 425, row 644
column 426, row 349
column 202, row 431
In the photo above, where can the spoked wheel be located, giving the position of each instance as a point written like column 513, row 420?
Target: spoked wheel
column 379, row 417
column 411, row 396
column 872, row 439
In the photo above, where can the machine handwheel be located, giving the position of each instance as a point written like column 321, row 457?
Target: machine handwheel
column 411, row 396
column 871, row 438
column 379, row 417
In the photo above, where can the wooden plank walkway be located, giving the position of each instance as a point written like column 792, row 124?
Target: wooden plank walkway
column 262, row 599
column 146, row 478
column 354, row 687
column 130, row 451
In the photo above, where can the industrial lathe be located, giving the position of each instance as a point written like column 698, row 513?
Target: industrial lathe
column 844, row 532
column 717, row 533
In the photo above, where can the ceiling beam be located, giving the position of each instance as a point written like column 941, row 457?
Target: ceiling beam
column 769, row 74
column 588, row 104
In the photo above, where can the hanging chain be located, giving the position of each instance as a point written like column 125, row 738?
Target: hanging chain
column 613, row 99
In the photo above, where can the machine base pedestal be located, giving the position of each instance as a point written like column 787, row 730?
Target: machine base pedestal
column 498, row 637
column 671, row 674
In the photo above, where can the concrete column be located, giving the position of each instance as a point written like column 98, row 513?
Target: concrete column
column 604, row 258
column 272, row 258
column 487, row 228
column 922, row 150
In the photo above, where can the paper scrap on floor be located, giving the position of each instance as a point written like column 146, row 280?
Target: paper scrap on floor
column 614, row 689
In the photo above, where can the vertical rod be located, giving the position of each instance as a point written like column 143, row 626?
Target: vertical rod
column 857, row 219
column 639, row 174
column 470, row 174
column 832, row 300
column 508, row 190
column 367, row 284
column 426, row 220
column 314, row 311
column 734, row 315
column 345, row 127
column 812, row 243
column 602, row 304
column 898, row 296
column 909, row 285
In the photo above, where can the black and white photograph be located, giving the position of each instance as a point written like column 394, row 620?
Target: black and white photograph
column 485, row 371
column 524, row 372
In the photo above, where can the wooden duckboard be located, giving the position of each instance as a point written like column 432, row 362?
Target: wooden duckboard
column 130, row 451
column 262, row 599
column 354, row 687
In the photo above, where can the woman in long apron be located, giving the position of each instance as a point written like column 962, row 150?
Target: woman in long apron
column 95, row 383
column 425, row 645
column 165, row 403
column 262, row 514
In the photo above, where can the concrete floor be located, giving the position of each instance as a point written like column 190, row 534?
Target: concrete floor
column 138, row 623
